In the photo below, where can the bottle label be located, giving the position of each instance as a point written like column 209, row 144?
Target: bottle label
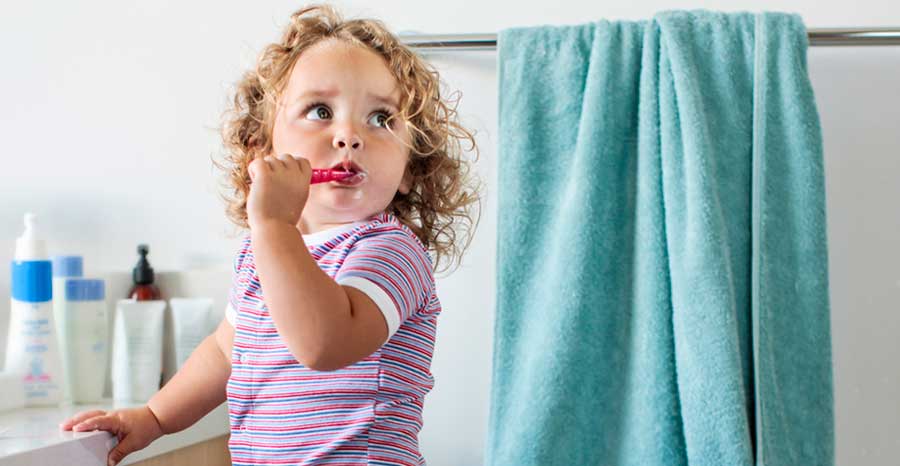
column 33, row 350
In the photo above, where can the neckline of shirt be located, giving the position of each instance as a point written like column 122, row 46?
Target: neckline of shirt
column 320, row 237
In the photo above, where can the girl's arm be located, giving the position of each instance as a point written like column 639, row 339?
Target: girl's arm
column 178, row 405
column 199, row 386
column 326, row 326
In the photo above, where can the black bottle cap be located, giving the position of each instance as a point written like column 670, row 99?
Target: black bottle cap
column 143, row 273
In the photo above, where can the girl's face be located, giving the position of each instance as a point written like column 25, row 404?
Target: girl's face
column 333, row 112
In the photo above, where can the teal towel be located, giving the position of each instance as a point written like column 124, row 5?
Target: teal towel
column 662, row 262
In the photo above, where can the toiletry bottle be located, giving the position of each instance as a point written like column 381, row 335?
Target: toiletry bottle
column 85, row 354
column 32, row 346
column 137, row 356
column 64, row 267
column 143, row 289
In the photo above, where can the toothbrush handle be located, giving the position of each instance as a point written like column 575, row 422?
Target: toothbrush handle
column 318, row 175
column 324, row 175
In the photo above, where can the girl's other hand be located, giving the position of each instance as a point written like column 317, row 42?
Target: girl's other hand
column 279, row 187
column 135, row 428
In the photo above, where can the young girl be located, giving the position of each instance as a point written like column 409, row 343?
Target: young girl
column 325, row 351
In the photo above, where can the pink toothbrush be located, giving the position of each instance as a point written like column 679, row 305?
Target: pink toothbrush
column 324, row 175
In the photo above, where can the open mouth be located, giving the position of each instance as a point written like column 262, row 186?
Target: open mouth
column 358, row 175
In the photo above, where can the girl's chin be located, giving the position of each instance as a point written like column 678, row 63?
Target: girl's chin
column 346, row 203
column 342, row 210
column 343, row 199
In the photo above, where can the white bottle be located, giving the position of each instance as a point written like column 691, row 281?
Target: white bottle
column 64, row 268
column 32, row 350
column 86, row 335
column 137, row 350
column 192, row 321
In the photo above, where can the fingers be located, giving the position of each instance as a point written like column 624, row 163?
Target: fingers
column 125, row 447
column 289, row 160
column 262, row 165
column 110, row 423
column 79, row 418
column 277, row 163
column 256, row 167
column 271, row 163
column 286, row 160
column 305, row 167
column 296, row 161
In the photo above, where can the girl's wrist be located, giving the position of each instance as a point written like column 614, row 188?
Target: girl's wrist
column 262, row 225
column 156, row 421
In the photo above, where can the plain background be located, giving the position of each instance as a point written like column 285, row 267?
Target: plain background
column 110, row 119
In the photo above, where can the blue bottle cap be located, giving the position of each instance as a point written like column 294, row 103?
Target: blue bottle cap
column 67, row 266
column 32, row 281
column 85, row 289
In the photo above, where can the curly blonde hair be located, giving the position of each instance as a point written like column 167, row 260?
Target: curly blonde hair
column 442, row 201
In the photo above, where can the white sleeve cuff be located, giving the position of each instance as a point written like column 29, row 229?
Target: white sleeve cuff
column 381, row 299
column 230, row 314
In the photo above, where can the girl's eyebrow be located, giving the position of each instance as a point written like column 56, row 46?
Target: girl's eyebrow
column 317, row 93
column 320, row 93
column 384, row 100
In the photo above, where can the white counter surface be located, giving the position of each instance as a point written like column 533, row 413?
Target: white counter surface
column 32, row 437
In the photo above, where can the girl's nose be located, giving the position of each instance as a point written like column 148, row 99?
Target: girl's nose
column 344, row 141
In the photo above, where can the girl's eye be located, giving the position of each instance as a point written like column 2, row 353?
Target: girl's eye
column 318, row 112
column 380, row 118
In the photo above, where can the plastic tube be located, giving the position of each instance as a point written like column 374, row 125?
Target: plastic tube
column 192, row 320
column 137, row 350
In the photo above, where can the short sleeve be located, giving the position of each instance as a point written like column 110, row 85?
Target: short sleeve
column 393, row 269
column 230, row 314
column 238, row 282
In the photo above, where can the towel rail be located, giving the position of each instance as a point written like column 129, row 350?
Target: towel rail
column 817, row 36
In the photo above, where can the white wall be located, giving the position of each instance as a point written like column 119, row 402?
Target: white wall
column 111, row 110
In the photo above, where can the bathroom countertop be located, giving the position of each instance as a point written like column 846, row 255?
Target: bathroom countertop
column 32, row 437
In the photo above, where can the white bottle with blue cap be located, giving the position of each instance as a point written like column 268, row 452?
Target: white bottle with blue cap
column 32, row 350
column 64, row 268
column 86, row 335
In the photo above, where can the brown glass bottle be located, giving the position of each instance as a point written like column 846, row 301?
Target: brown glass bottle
column 142, row 276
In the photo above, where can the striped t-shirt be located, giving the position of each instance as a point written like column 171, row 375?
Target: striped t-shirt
column 368, row 413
